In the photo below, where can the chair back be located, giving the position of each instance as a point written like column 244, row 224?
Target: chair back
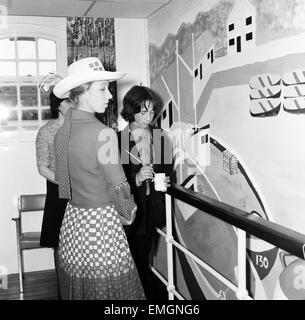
column 27, row 240
column 31, row 202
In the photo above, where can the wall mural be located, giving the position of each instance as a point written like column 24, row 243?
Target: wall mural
column 232, row 74
column 88, row 37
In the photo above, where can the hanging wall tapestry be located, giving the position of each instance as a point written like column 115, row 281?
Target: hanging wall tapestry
column 94, row 37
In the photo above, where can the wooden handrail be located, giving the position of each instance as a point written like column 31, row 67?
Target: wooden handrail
column 280, row 236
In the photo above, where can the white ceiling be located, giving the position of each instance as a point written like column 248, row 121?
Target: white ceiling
column 79, row 8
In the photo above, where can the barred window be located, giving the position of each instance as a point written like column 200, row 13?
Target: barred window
column 24, row 61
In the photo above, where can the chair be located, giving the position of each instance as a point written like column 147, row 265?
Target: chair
column 27, row 240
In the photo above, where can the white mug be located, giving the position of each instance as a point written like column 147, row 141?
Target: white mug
column 160, row 184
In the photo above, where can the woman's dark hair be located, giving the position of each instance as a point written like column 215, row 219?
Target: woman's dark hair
column 54, row 104
column 134, row 99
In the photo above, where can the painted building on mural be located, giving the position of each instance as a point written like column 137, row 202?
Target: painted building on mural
column 203, row 49
column 165, row 118
column 241, row 27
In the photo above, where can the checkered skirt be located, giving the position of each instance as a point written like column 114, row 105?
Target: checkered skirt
column 94, row 257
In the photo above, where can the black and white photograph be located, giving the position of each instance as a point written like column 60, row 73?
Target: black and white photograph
column 152, row 152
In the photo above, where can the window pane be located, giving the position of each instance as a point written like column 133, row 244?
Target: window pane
column 30, row 115
column 46, row 49
column 28, row 96
column 46, row 67
column 27, row 69
column 4, row 113
column 44, row 98
column 7, row 69
column 46, row 115
column 8, row 96
column 26, row 48
column 7, row 48
column 12, row 115
column 7, row 115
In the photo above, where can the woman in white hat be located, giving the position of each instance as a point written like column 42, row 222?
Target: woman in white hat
column 94, row 256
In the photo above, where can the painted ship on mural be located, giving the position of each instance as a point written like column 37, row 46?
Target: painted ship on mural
column 208, row 238
column 213, row 240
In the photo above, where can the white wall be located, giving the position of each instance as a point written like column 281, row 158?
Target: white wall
column 18, row 173
column 17, row 157
column 131, row 56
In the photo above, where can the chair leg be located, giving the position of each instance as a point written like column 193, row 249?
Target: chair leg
column 19, row 254
column 22, row 263
column 20, row 270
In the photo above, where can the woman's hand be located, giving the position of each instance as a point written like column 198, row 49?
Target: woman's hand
column 47, row 173
column 146, row 172
column 167, row 181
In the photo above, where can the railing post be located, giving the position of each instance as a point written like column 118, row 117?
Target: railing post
column 242, row 292
column 169, row 245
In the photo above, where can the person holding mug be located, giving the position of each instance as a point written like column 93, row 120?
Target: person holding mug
column 146, row 153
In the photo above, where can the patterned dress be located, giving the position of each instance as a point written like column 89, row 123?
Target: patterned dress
column 95, row 261
column 45, row 144
column 94, row 257
column 54, row 207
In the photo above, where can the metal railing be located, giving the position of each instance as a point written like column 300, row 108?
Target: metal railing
column 280, row 236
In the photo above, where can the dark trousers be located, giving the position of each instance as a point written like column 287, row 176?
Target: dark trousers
column 140, row 246
column 54, row 211
column 141, row 236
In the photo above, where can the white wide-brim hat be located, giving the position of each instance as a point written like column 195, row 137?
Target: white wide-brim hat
column 83, row 71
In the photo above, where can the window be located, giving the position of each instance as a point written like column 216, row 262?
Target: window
column 24, row 61
column 204, row 139
column 231, row 27
column 231, row 42
column 196, row 73
column 3, row 16
column 164, row 114
column 249, row 36
column 170, row 112
column 159, row 122
column 208, row 55
column 212, row 56
column 200, row 71
column 249, row 21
